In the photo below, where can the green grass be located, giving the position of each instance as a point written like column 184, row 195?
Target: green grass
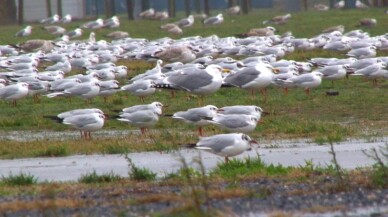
column 95, row 178
column 19, row 179
column 237, row 168
column 358, row 111
column 139, row 174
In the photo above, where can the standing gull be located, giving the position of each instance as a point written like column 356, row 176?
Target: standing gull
column 86, row 123
column 54, row 30
column 281, row 19
column 51, row 20
column 214, row 20
column 307, row 81
column 24, row 32
column 142, row 119
column 186, row 22
column 225, row 145
column 236, row 123
column 197, row 116
column 14, row 92
column 140, row 88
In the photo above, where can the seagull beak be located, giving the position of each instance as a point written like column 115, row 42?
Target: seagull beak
column 253, row 142
column 220, row 110
column 225, row 70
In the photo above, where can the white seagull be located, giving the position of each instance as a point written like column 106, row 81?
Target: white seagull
column 14, row 92
column 214, row 20
column 225, row 145
column 24, row 32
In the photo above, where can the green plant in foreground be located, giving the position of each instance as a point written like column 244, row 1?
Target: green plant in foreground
column 380, row 168
column 54, row 151
column 20, row 179
column 139, row 174
column 248, row 166
column 95, row 178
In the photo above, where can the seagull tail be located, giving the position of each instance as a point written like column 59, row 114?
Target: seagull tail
column 191, row 145
column 52, row 95
column 266, row 22
column 226, row 85
column 167, row 115
column 54, row 118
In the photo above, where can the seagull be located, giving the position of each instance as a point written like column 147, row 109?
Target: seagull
column 282, row 19
column 140, row 88
column 321, row 7
column 367, row 22
column 175, row 54
column 196, row 81
column 374, row 71
column 236, row 123
column 112, row 22
column 147, row 14
column 142, row 119
column 234, row 10
column 197, row 116
column 214, row 20
column 186, row 22
column 96, row 24
column 225, row 145
column 35, row 45
column 253, row 78
column 155, row 106
column 86, row 123
column 307, row 81
column 108, row 88
column 363, row 52
column 172, row 28
column 74, row 33
column 251, row 110
column 54, row 30
column 24, row 32
column 339, row 28
column 66, row 19
column 333, row 72
column 14, row 92
column 64, row 66
column 266, row 31
column 51, row 20
column 117, row 35
column 160, row 15
column 85, row 90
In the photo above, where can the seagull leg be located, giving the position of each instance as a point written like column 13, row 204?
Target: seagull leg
column 332, row 84
column 200, row 101
column 286, row 90
column 253, row 95
column 141, row 98
column 142, row 130
column 226, row 159
column 172, row 94
column 307, row 91
column 200, row 131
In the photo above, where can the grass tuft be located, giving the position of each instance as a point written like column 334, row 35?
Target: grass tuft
column 54, row 151
column 95, row 178
column 19, row 180
column 137, row 173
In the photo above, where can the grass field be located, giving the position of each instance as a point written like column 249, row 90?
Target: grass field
column 360, row 110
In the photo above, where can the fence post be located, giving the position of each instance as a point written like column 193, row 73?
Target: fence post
column 187, row 7
column 48, row 8
column 130, row 7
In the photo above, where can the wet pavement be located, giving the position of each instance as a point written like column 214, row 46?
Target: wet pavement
column 288, row 153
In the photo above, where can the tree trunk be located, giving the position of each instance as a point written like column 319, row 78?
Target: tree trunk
column 107, row 8
column 197, row 6
column 171, row 8
column 48, row 8
column 96, row 6
column 130, row 7
column 112, row 7
column 245, row 6
column 145, row 5
column 350, row 4
column 206, row 7
column 59, row 8
column 331, row 4
column 305, row 5
column 20, row 12
column 232, row 3
column 8, row 11
column 187, row 7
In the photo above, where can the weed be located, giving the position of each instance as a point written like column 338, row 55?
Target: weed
column 380, row 168
column 249, row 166
column 54, row 151
column 139, row 174
column 20, row 179
column 95, row 178
column 339, row 172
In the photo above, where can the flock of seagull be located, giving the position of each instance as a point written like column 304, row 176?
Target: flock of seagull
column 197, row 65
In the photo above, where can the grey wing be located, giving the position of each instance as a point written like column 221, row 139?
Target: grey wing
column 191, row 81
column 7, row 92
column 368, row 70
column 137, row 86
column 78, row 90
column 302, row 78
column 183, row 22
column 138, row 117
column 232, row 121
column 193, row 115
column 243, row 77
column 216, row 143
column 211, row 20
column 80, row 120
